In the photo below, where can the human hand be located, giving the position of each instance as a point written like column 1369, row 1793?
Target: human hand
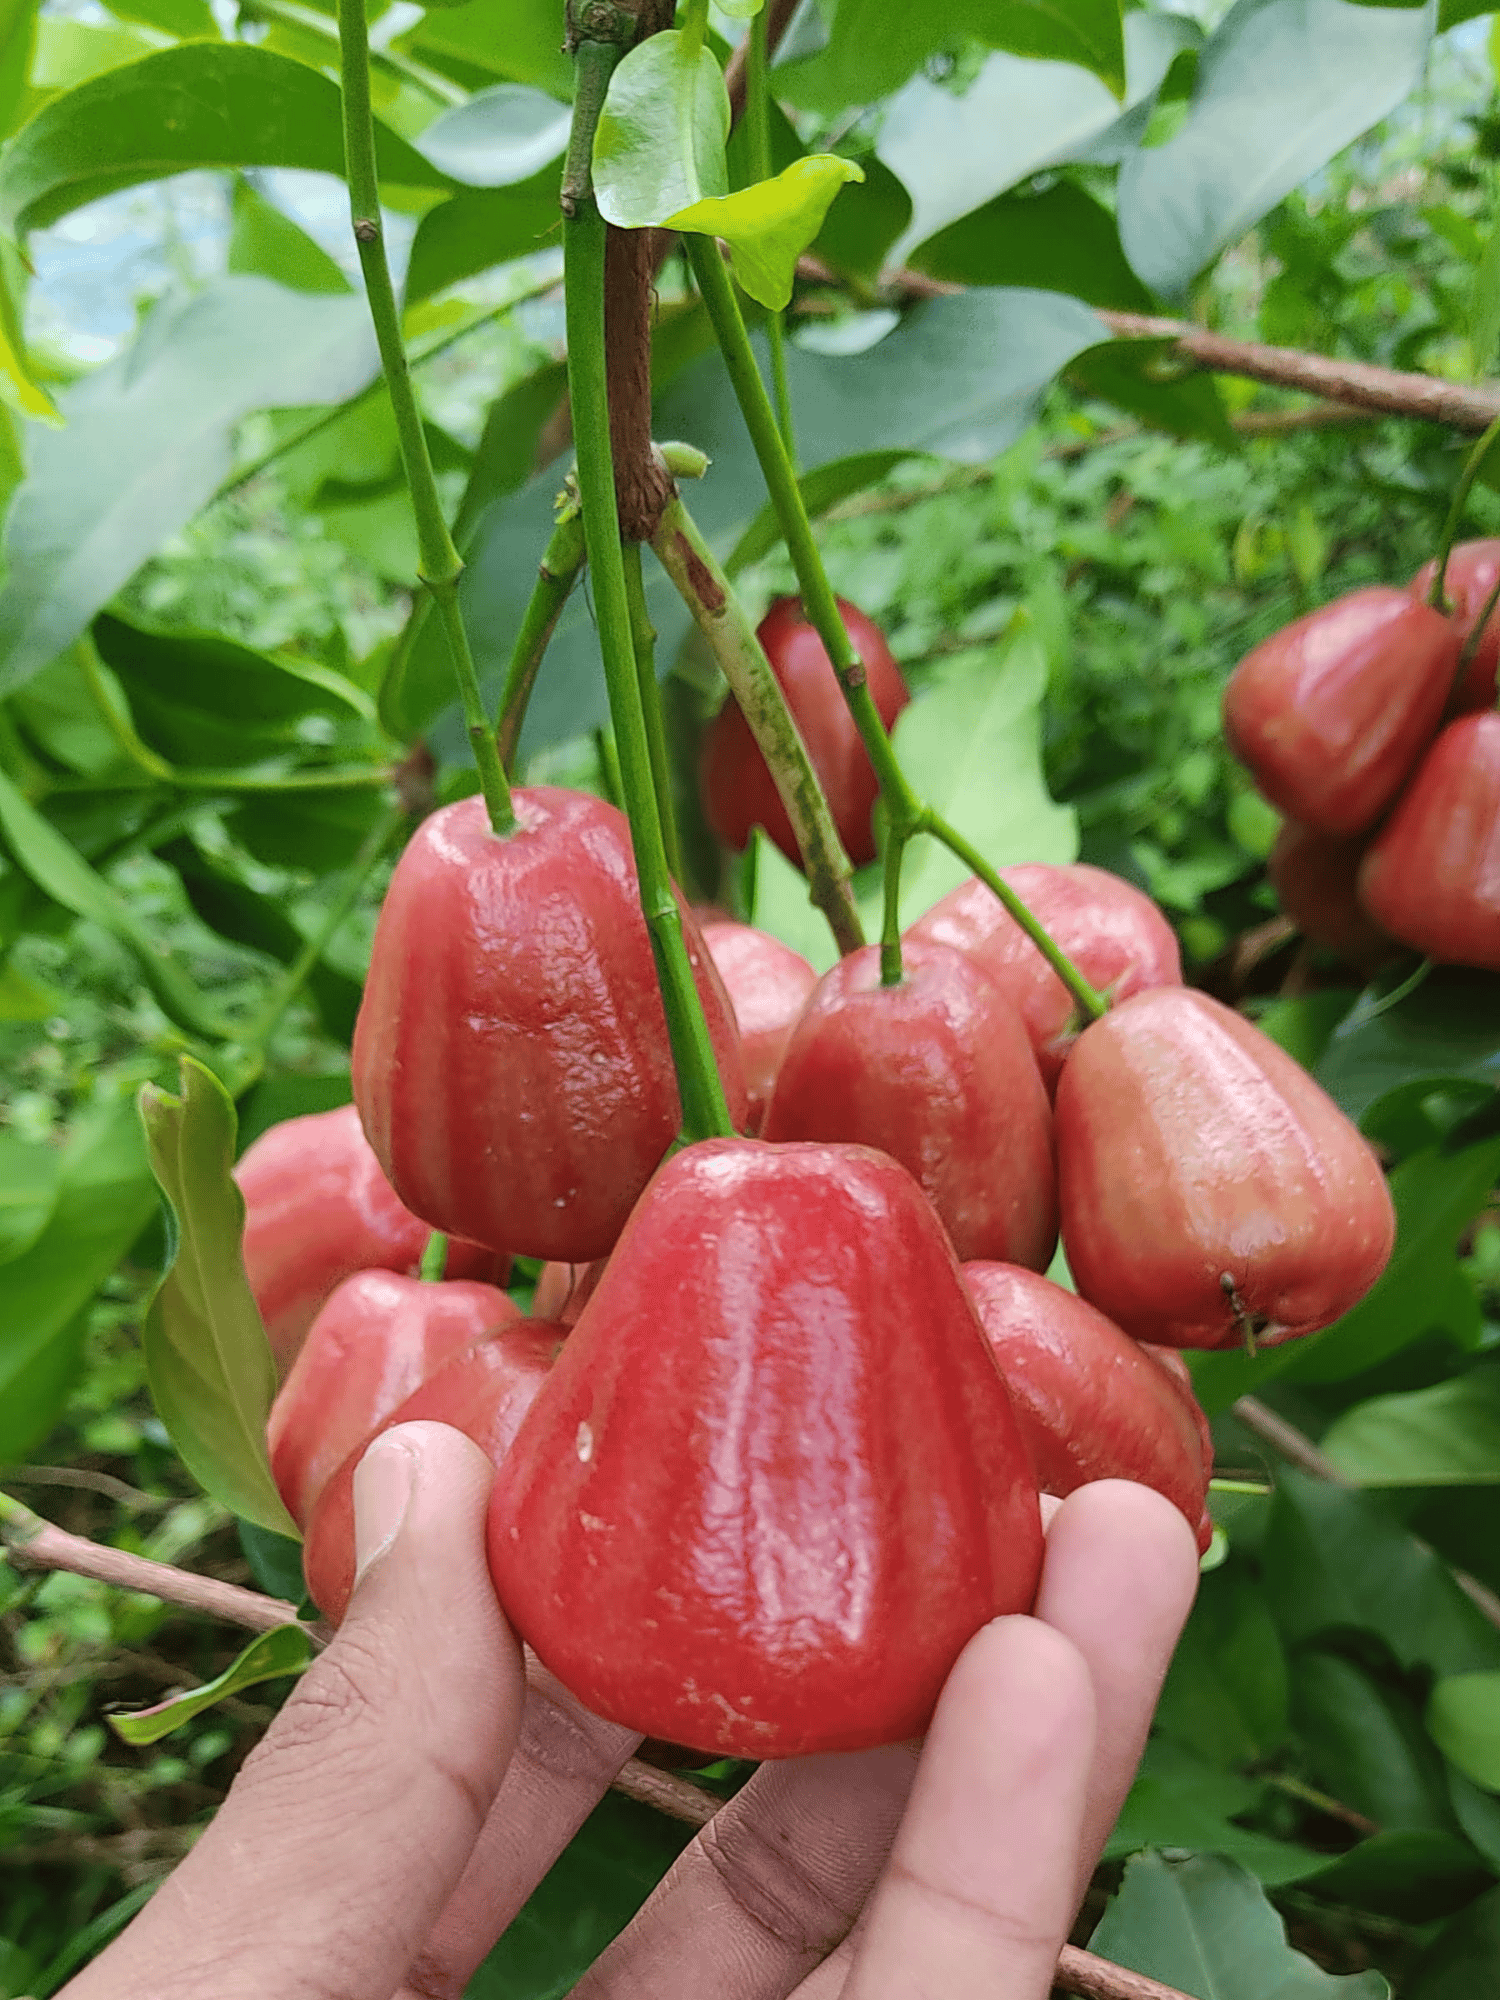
column 420, row 1781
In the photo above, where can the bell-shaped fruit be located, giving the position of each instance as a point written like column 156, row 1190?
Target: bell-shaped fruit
column 379, row 1337
column 1472, row 573
column 768, row 984
column 773, row 1484
column 938, row 1072
column 511, row 1060
column 1432, row 877
column 1115, row 935
column 318, row 1209
column 484, row 1391
column 1092, row 1403
column 1212, row 1195
column 736, row 783
column 1314, row 876
column 1330, row 713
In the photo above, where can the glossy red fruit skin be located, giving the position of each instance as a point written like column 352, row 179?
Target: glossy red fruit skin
column 1330, row 713
column 1314, row 876
column 1091, row 1402
column 764, row 1522
column 379, row 1337
column 1473, row 571
column 768, row 984
column 511, row 1061
column 1190, row 1149
column 1114, row 934
column 737, row 788
column 484, row 1391
column 1432, row 877
column 938, row 1072
column 318, row 1209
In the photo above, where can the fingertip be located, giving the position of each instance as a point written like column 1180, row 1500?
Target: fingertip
column 1018, row 1668
column 1134, row 1532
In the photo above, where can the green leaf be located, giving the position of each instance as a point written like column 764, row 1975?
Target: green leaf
column 203, row 105
column 499, row 136
column 271, row 1656
column 768, row 226
column 320, row 831
column 475, row 232
column 1125, row 373
column 778, row 902
column 1447, row 1030
column 1180, row 1801
column 1060, row 240
column 1335, row 1560
column 59, row 869
column 1225, row 1696
column 1460, row 1962
column 593, row 1890
column 972, row 747
column 1451, row 12
column 1366, row 1746
column 1282, row 86
column 267, row 244
column 1436, row 1194
column 30, row 1176
column 1204, row 1925
column 659, row 144
column 820, row 491
column 1464, row 1717
column 187, row 19
column 1412, row 1875
column 1448, row 1435
column 149, row 438
column 275, row 1560
column 207, row 1357
column 105, row 1198
column 521, row 39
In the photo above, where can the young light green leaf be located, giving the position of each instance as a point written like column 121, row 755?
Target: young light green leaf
column 30, row 1175
column 769, row 225
column 741, row 10
column 270, row 1656
column 1447, row 1435
column 207, row 1358
column 659, row 145
column 498, row 136
column 1463, row 1717
column 58, row 868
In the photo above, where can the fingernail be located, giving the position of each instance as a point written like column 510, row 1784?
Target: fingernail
column 382, row 1492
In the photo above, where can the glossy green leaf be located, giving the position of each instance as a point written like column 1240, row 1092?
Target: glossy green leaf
column 59, row 869
column 972, row 746
column 1422, row 1287
column 475, row 232
column 275, row 1560
column 1464, row 1717
column 1179, row 1800
column 1366, row 1746
column 187, row 19
column 265, row 243
column 30, row 1175
column 202, row 105
column 1460, row 1962
column 659, row 144
column 520, row 39
column 768, row 226
column 498, row 136
column 1060, row 240
column 148, row 439
column 207, row 1357
column 1335, row 1560
column 1225, row 1696
column 105, row 1198
column 1448, row 1029
column 319, row 830
column 271, row 1656
column 1451, row 12
column 1282, row 86
column 1448, row 1435
column 1204, row 1926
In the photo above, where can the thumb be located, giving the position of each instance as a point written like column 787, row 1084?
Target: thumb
column 350, row 1824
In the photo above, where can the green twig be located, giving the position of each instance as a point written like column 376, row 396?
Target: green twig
column 434, row 1265
column 562, row 560
column 722, row 620
column 758, row 130
column 1436, row 596
column 643, row 639
column 705, row 1113
column 440, row 566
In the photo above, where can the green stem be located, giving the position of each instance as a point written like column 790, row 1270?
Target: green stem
column 758, row 131
column 440, row 566
column 722, row 620
column 705, row 1113
column 562, row 559
column 1436, row 596
column 609, row 766
column 1476, row 633
column 643, row 639
column 434, row 1266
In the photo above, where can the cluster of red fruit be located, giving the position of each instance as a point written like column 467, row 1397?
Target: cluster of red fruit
column 1371, row 723
column 759, row 1475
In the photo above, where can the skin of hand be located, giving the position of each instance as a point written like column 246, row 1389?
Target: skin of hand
column 422, row 1778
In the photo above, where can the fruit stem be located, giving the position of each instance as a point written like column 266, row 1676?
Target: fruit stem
column 758, row 130
column 643, row 640
column 1471, row 645
column 434, row 1265
column 562, row 560
column 440, row 565
column 1437, row 596
column 705, row 1113
column 724, row 623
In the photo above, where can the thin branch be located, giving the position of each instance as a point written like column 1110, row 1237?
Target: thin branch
column 87, row 1481
column 1094, row 1978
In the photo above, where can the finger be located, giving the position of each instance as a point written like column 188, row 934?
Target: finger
column 344, row 1834
column 1120, row 1573
column 564, row 1762
column 770, row 1885
column 978, row 1894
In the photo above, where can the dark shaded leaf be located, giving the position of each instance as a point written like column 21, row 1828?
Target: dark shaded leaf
column 1460, row 1962
column 1366, row 1745
column 1448, row 1029
column 1060, row 240
column 1225, row 1696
